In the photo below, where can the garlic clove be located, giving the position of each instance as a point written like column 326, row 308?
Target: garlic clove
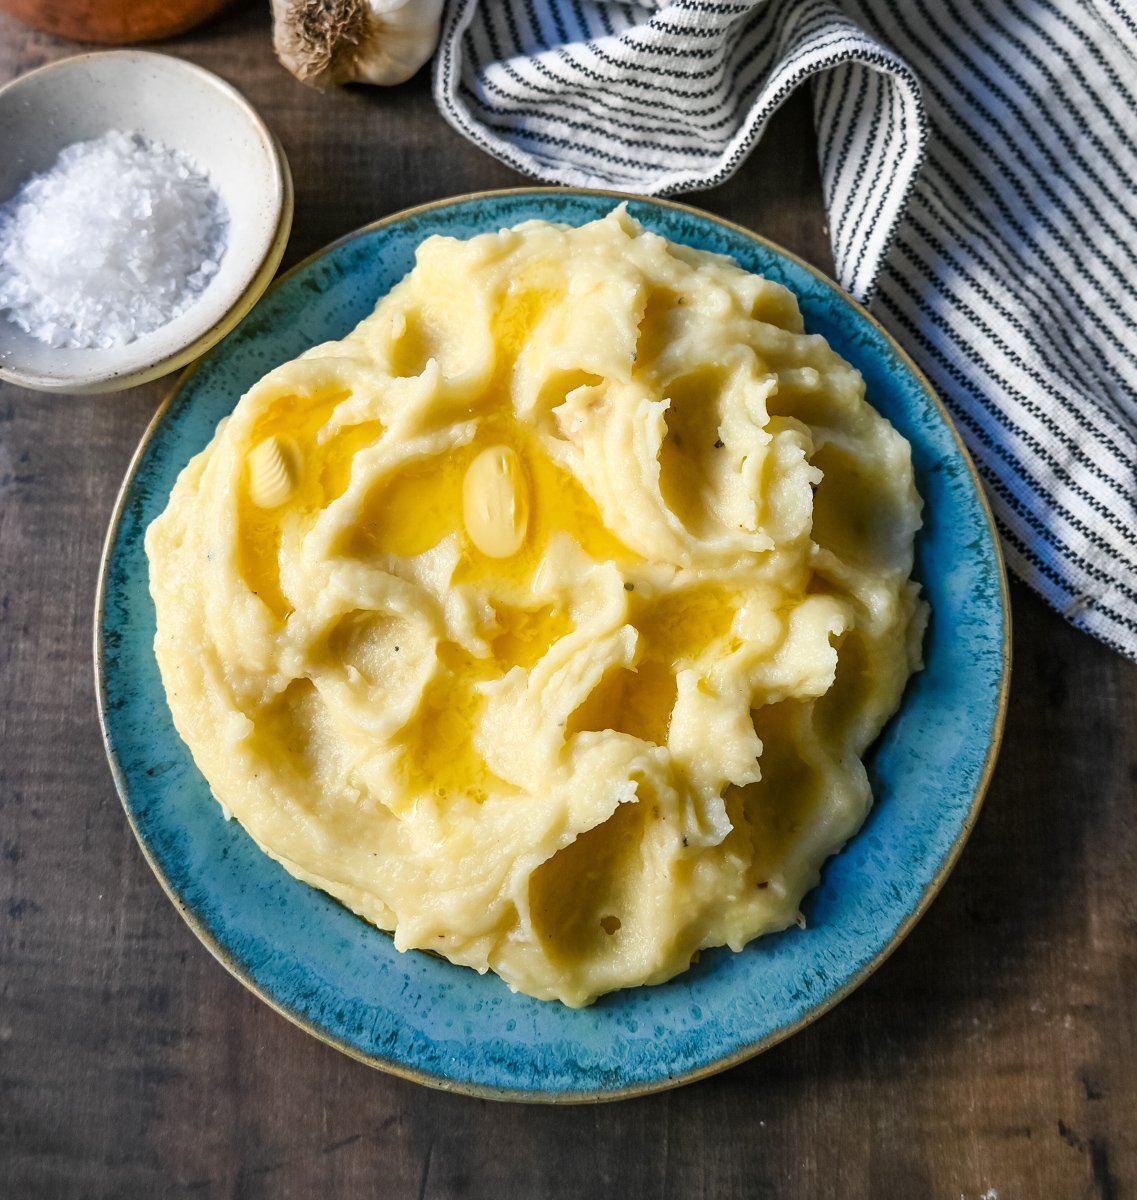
column 495, row 502
column 325, row 43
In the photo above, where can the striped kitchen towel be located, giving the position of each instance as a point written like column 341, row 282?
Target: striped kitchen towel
column 978, row 159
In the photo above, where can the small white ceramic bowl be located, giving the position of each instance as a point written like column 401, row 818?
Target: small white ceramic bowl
column 188, row 109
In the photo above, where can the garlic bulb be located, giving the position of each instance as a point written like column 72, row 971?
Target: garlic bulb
column 329, row 42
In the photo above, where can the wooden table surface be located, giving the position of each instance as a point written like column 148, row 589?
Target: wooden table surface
column 992, row 1056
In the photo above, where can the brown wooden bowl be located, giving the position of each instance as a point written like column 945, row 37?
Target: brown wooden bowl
column 119, row 23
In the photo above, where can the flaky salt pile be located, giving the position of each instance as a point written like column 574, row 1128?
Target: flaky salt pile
column 120, row 236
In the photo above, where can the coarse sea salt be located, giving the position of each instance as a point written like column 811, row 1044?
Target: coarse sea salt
column 120, row 236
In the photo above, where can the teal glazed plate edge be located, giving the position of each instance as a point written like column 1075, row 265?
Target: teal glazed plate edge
column 419, row 1016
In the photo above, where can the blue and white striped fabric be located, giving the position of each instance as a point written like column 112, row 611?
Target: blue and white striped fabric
column 979, row 163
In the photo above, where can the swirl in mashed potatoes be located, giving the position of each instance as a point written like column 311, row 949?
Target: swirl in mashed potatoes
column 545, row 618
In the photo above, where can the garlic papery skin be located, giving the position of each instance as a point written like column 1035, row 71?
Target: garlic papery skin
column 325, row 43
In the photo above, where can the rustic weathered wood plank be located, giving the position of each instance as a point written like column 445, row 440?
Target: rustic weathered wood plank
column 992, row 1056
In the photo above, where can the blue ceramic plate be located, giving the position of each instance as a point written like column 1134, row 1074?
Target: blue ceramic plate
column 419, row 1016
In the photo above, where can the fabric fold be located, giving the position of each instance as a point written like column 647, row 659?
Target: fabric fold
column 662, row 100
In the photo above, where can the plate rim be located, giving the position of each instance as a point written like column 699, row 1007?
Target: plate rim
column 752, row 1049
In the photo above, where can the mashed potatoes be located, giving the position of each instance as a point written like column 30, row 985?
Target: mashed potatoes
column 544, row 619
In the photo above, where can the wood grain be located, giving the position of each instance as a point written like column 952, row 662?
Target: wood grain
column 992, row 1056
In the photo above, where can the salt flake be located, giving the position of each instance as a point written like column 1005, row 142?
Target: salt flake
column 120, row 236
